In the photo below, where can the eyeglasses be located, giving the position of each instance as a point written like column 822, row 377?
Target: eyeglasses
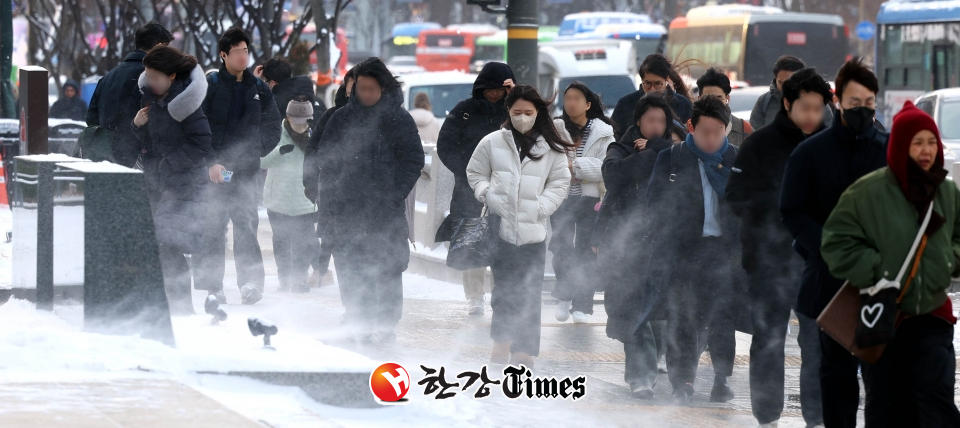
column 655, row 85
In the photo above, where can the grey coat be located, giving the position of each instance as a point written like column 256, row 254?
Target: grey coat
column 767, row 106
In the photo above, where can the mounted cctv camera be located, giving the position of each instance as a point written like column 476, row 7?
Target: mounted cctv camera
column 259, row 326
column 212, row 307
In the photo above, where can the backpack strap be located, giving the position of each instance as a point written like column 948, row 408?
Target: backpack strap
column 674, row 161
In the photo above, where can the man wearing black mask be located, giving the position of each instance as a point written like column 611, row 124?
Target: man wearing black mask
column 818, row 172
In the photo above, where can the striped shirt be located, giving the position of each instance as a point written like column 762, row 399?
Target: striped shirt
column 575, row 188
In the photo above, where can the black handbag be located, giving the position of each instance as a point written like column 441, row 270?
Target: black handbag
column 96, row 144
column 473, row 242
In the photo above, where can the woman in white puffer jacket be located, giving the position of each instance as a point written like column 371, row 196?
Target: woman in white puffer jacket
column 521, row 174
column 574, row 262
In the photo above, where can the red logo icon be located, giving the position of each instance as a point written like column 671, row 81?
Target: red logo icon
column 390, row 382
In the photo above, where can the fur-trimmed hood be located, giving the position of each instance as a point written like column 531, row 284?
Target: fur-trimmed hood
column 182, row 105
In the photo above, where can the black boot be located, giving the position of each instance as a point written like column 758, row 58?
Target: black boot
column 721, row 392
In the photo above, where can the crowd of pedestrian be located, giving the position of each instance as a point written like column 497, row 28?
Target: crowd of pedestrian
column 679, row 212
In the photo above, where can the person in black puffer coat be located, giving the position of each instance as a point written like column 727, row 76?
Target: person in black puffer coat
column 370, row 159
column 69, row 105
column 117, row 98
column 467, row 124
column 626, row 172
column 176, row 137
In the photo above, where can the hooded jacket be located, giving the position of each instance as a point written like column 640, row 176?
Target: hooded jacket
column 370, row 159
column 176, row 139
column 287, row 90
column 238, row 144
column 588, row 167
column 769, row 104
column 818, row 171
column 523, row 193
column 115, row 103
column 468, row 123
column 72, row 108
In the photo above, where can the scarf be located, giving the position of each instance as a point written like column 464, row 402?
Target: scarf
column 921, row 188
column 717, row 174
column 301, row 140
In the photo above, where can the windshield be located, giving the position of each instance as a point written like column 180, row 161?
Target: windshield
column 610, row 88
column 949, row 120
column 443, row 98
column 743, row 100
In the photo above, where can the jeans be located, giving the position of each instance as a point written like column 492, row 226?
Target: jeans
column 516, row 300
column 574, row 262
column 234, row 202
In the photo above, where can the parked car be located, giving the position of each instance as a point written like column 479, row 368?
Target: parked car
column 944, row 106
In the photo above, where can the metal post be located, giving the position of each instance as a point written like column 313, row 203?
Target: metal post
column 522, row 51
column 34, row 109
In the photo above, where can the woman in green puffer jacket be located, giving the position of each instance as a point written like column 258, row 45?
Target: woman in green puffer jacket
column 867, row 237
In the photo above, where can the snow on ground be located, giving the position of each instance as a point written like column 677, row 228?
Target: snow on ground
column 6, row 248
column 41, row 342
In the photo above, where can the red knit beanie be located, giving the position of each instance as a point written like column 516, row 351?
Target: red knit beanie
column 906, row 124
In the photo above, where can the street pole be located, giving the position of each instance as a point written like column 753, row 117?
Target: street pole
column 522, row 52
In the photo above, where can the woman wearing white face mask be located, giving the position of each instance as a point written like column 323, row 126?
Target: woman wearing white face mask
column 521, row 174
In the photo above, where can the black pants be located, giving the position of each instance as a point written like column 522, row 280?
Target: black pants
column 698, row 298
column 294, row 245
column 176, row 280
column 838, row 383
column 773, row 290
column 235, row 202
column 516, row 300
column 641, row 358
column 371, row 292
column 574, row 262
column 914, row 379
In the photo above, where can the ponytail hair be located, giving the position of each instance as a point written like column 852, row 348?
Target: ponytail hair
column 543, row 125
column 170, row 61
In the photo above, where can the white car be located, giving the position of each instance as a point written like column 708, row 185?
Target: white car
column 445, row 89
column 944, row 107
column 742, row 100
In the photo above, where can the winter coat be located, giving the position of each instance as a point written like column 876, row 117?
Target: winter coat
column 588, row 167
column 523, row 193
column 370, row 159
column 623, row 113
column 674, row 227
column 817, row 173
column 469, row 122
column 293, row 87
column 739, row 131
column 619, row 236
column 869, row 233
column 283, row 189
column 769, row 104
column 427, row 124
column 115, row 103
column 176, row 139
column 238, row 145
column 72, row 108
column 311, row 159
column 753, row 193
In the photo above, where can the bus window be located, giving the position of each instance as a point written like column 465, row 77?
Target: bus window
column 942, row 76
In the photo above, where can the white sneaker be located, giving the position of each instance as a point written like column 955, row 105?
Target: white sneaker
column 475, row 306
column 773, row 424
column 580, row 317
column 563, row 310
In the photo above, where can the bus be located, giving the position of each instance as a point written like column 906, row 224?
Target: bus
column 646, row 38
column 916, row 51
column 587, row 22
column 745, row 41
column 403, row 39
column 450, row 49
column 493, row 48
